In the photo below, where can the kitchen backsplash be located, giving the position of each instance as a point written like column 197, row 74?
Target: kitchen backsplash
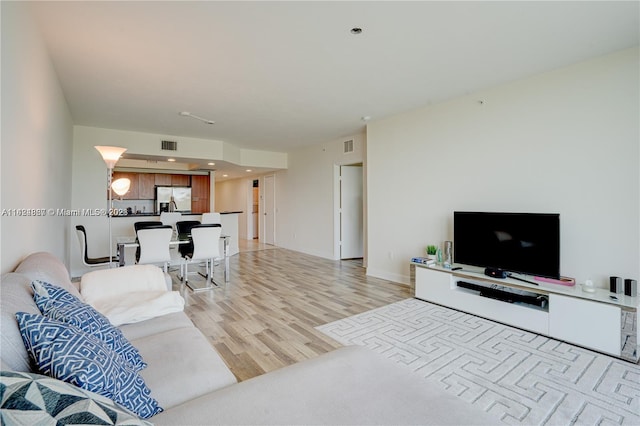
column 136, row 206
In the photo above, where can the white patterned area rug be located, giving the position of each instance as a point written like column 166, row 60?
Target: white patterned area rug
column 520, row 377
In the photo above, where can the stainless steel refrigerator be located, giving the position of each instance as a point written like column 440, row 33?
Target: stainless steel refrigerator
column 180, row 195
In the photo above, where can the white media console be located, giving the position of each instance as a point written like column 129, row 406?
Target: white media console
column 593, row 320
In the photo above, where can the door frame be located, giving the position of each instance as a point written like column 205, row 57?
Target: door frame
column 262, row 209
column 249, row 210
column 336, row 211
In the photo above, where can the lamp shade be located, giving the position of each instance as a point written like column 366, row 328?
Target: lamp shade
column 110, row 154
column 121, row 186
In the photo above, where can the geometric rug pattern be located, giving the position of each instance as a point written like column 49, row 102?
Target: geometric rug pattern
column 520, row 377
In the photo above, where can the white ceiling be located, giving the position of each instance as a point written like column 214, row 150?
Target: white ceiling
column 277, row 75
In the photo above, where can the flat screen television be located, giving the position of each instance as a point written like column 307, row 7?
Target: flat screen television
column 525, row 243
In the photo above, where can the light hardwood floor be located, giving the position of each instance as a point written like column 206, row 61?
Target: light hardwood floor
column 264, row 318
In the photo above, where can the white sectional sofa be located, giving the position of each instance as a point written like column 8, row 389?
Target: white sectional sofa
column 193, row 385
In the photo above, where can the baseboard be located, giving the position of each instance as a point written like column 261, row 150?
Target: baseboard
column 397, row 278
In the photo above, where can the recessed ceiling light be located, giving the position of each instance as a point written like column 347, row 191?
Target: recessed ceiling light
column 356, row 30
column 171, row 159
column 211, row 164
column 225, row 175
column 249, row 170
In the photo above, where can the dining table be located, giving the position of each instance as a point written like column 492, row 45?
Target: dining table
column 125, row 242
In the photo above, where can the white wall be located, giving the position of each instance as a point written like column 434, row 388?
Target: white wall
column 142, row 143
column 36, row 142
column 305, row 196
column 232, row 195
column 566, row 141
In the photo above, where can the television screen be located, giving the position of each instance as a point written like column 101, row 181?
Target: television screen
column 526, row 243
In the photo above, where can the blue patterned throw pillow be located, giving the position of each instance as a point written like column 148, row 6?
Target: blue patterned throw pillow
column 35, row 399
column 57, row 303
column 65, row 352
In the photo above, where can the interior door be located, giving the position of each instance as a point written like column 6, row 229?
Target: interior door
column 269, row 210
column 351, row 218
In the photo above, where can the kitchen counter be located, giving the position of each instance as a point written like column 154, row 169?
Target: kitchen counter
column 136, row 215
column 158, row 215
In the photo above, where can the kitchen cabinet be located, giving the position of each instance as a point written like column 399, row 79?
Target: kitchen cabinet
column 132, row 194
column 162, row 179
column 143, row 187
column 180, row 180
column 200, row 194
column 146, row 186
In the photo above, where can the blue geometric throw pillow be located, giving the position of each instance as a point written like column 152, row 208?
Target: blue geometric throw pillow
column 65, row 352
column 57, row 303
column 29, row 398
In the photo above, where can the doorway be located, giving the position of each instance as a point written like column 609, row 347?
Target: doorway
column 253, row 207
column 350, row 212
column 269, row 213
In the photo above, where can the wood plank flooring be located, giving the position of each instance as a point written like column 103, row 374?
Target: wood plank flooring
column 264, row 318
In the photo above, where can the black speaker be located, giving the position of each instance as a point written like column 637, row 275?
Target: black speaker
column 630, row 287
column 615, row 284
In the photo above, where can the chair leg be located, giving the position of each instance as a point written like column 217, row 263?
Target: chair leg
column 213, row 282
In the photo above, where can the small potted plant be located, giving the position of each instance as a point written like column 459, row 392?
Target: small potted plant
column 431, row 252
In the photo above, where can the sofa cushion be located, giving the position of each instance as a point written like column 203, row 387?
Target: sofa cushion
column 16, row 295
column 65, row 352
column 351, row 385
column 182, row 366
column 59, row 304
column 108, row 283
column 155, row 325
column 130, row 294
column 45, row 266
column 35, row 399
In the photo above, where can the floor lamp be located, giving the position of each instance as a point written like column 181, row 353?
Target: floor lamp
column 110, row 155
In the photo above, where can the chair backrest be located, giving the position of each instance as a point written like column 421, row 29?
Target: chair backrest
column 170, row 218
column 144, row 225
column 82, row 239
column 205, row 241
column 154, row 244
column 183, row 228
column 211, row 218
column 147, row 224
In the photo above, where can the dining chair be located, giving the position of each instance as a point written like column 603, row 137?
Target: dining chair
column 214, row 218
column 184, row 231
column 81, row 232
column 147, row 224
column 205, row 239
column 170, row 218
column 143, row 225
column 154, row 245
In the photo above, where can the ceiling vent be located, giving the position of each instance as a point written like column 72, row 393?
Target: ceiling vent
column 348, row 146
column 169, row 146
